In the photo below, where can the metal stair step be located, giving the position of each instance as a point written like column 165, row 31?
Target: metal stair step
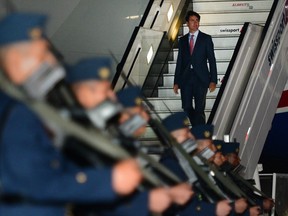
column 232, row 6
column 174, row 104
column 168, row 79
column 221, row 67
column 216, row 30
column 164, row 91
column 163, row 114
column 219, row 54
column 232, row 30
column 225, row 42
column 233, row 18
column 196, row 1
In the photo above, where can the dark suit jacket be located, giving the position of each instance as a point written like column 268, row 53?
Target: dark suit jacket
column 203, row 51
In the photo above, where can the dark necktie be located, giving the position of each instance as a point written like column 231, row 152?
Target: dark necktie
column 191, row 44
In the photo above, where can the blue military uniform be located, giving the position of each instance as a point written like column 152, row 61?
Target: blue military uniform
column 196, row 206
column 31, row 168
column 233, row 147
column 200, row 132
column 206, row 132
column 227, row 148
column 99, row 69
column 38, row 179
column 136, row 203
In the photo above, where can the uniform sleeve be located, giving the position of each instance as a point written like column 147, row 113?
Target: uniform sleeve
column 198, row 207
column 172, row 164
column 211, row 60
column 31, row 167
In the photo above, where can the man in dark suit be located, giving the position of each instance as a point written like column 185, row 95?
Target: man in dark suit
column 192, row 75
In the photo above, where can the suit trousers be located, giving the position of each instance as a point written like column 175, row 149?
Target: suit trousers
column 194, row 89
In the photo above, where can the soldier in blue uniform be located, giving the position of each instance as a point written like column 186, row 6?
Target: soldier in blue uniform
column 203, row 133
column 131, row 99
column 177, row 125
column 89, row 80
column 230, row 151
column 36, row 179
column 126, row 97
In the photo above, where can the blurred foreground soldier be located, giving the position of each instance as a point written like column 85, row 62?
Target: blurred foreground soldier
column 36, row 179
column 135, row 117
column 177, row 125
column 230, row 151
column 90, row 86
column 89, row 80
column 134, row 112
column 203, row 134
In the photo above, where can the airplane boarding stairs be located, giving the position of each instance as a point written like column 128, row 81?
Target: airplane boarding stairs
column 253, row 87
column 253, row 69
column 223, row 20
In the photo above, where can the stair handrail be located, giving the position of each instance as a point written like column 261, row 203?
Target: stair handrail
column 156, row 24
column 130, row 43
column 162, row 69
column 181, row 17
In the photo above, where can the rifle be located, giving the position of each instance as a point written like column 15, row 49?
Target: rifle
column 189, row 166
column 98, row 118
column 227, row 182
column 247, row 184
column 93, row 138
